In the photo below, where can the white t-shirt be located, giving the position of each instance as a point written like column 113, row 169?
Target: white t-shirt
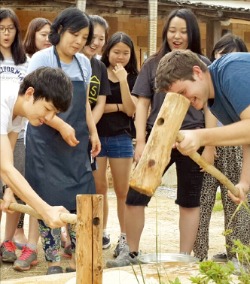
column 9, row 94
column 12, row 74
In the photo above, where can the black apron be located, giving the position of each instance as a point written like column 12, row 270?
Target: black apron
column 55, row 170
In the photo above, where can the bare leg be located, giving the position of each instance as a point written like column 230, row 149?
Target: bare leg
column 19, row 237
column 135, row 219
column 101, row 183
column 33, row 231
column 188, row 226
column 11, row 224
column 120, row 169
column 73, row 261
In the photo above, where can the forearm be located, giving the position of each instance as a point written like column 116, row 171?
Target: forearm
column 19, row 185
column 97, row 113
column 210, row 122
column 56, row 123
column 231, row 135
column 90, row 120
column 98, row 109
column 13, row 138
column 113, row 108
column 245, row 173
column 210, row 119
column 129, row 106
column 141, row 122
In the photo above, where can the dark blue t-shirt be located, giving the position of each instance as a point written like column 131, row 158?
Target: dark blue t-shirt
column 231, row 79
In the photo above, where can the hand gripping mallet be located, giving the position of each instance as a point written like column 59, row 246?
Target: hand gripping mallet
column 147, row 175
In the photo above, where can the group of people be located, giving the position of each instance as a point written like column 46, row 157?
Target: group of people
column 88, row 120
column 66, row 142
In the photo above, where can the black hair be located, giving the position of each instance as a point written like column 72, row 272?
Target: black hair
column 131, row 67
column 51, row 84
column 73, row 20
column 17, row 49
column 96, row 19
column 193, row 32
column 227, row 44
column 29, row 41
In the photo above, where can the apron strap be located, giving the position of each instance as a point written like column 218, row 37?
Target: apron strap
column 60, row 66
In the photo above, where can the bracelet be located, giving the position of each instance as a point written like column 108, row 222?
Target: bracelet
column 4, row 188
column 117, row 107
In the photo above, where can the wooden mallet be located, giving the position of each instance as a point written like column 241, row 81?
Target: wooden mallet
column 147, row 175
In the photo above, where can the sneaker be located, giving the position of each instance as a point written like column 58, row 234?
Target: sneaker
column 54, row 270
column 240, row 268
column 220, row 257
column 27, row 259
column 123, row 259
column 120, row 245
column 67, row 252
column 106, row 242
column 19, row 245
column 70, row 269
column 7, row 251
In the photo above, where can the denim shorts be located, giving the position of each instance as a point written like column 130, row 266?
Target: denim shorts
column 119, row 146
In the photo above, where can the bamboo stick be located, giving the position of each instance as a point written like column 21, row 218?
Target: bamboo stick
column 65, row 217
column 196, row 157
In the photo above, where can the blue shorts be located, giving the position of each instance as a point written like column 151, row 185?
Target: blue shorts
column 119, row 146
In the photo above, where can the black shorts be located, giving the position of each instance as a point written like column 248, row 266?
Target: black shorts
column 189, row 183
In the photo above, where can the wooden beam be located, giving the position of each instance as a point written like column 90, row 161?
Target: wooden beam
column 38, row 5
column 213, row 34
column 133, row 8
column 89, row 239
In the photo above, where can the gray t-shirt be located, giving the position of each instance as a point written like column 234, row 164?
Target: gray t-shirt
column 46, row 57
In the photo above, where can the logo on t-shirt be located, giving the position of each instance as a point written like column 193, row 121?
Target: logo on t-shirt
column 94, row 89
column 11, row 73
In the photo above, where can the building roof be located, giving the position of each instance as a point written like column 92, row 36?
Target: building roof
column 205, row 10
column 215, row 9
column 226, row 4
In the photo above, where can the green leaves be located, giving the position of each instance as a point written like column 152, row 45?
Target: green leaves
column 221, row 273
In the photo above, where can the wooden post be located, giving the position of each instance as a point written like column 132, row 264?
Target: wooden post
column 156, row 155
column 89, row 239
column 97, row 238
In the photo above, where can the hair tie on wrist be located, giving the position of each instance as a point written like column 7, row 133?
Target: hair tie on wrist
column 5, row 187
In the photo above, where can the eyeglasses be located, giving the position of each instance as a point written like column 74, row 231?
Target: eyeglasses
column 10, row 29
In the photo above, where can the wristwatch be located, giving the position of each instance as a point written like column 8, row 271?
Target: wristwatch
column 4, row 188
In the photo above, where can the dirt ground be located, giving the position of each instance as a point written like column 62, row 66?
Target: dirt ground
column 161, row 219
